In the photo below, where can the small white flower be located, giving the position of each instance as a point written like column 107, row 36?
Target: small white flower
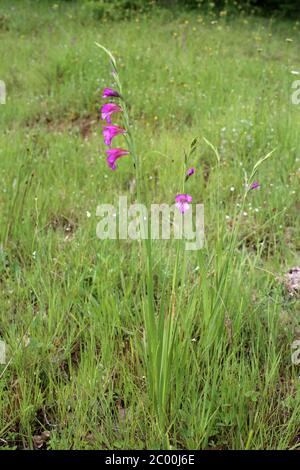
column 88, row 214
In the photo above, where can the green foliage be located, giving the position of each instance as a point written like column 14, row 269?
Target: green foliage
column 118, row 9
column 124, row 7
column 70, row 305
column 264, row 6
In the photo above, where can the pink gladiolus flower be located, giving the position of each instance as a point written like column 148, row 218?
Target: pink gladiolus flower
column 109, row 132
column 183, row 201
column 107, row 110
column 113, row 155
column 190, row 172
column 108, row 92
column 255, row 185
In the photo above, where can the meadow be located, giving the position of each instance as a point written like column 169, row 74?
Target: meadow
column 72, row 310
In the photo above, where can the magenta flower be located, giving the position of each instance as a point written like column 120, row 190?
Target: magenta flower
column 107, row 110
column 255, row 185
column 108, row 92
column 109, row 132
column 113, row 155
column 183, row 201
column 190, row 172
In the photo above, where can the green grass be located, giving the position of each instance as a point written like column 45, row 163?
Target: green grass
column 72, row 305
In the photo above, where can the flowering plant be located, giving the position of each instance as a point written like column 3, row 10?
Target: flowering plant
column 161, row 324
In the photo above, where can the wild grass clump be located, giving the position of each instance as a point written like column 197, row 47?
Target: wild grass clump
column 80, row 371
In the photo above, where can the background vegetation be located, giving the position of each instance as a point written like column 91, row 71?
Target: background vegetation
column 70, row 305
column 266, row 7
